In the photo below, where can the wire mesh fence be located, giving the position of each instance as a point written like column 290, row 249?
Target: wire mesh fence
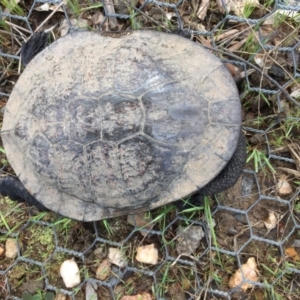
column 262, row 53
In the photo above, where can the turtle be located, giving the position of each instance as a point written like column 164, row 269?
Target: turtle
column 101, row 126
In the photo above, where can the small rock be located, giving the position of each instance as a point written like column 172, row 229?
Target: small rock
column 2, row 249
column 232, row 231
column 296, row 243
column 147, row 254
column 247, row 184
column 188, row 239
column 271, row 222
column 61, row 296
column 11, row 248
column 69, row 271
column 241, row 218
column 283, row 187
column 103, row 269
column 142, row 221
column 117, row 257
column 90, row 293
column 276, row 71
column 117, row 275
column 259, row 59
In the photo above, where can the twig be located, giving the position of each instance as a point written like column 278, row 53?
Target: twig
column 16, row 26
column 202, row 11
column 109, row 8
column 238, row 45
column 228, row 34
column 235, row 244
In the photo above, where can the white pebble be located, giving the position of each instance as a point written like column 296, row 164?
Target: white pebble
column 117, row 257
column 147, row 254
column 283, row 187
column 11, row 248
column 69, row 272
column 271, row 222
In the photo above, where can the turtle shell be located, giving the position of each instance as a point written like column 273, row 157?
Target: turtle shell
column 98, row 127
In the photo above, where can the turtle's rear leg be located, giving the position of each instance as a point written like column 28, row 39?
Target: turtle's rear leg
column 13, row 188
column 225, row 180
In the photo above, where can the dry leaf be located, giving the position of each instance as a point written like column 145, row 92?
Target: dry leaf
column 103, row 269
column 234, row 71
column 237, row 45
column 292, row 253
column 260, row 59
column 227, row 34
column 147, row 254
column 222, row 5
column 117, row 257
column 141, row 220
column 295, row 94
column 98, row 18
column 271, row 222
column 113, row 22
column 283, row 187
column 247, row 271
column 48, row 7
column 202, row 11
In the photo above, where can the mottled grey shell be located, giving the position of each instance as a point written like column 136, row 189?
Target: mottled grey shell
column 98, row 127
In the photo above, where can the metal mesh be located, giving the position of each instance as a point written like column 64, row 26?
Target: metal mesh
column 236, row 212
